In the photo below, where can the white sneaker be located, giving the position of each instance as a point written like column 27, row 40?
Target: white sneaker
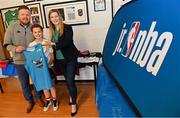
column 47, row 105
column 55, row 105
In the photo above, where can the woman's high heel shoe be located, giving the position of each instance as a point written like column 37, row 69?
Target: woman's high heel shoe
column 75, row 107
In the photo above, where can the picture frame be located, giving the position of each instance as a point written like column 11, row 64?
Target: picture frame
column 99, row 5
column 73, row 12
column 36, row 14
column 112, row 7
column 28, row 1
column 9, row 15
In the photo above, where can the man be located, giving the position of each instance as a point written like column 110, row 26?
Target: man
column 17, row 38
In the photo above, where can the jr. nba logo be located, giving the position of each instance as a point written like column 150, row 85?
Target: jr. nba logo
column 142, row 46
column 130, row 39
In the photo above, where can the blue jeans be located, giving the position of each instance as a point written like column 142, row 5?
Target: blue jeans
column 68, row 69
column 25, row 85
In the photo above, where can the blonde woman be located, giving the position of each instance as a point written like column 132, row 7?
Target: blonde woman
column 65, row 53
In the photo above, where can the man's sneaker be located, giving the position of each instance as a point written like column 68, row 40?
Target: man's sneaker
column 55, row 105
column 47, row 105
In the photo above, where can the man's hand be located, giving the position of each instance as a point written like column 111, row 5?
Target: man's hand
column 19, row 49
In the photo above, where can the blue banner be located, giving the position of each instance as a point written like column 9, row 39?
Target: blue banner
column 141, row 51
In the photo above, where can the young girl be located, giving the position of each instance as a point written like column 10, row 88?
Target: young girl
column 37, row 32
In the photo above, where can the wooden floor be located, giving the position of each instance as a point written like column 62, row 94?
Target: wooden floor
column 12, row 103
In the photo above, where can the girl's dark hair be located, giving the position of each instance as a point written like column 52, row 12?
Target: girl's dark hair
column 36, row 26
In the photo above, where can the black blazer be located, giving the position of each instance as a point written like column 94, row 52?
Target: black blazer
column 66, row 45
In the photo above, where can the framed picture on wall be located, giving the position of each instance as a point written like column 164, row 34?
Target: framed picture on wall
column 9, row 15
column 99, row 5
column 73, row 12
column 27, row 1
column 36, row 15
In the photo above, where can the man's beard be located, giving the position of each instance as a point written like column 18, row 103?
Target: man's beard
column 25, row 23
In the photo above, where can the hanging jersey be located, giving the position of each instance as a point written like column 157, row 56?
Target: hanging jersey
column 11, row 17
column 37, row 67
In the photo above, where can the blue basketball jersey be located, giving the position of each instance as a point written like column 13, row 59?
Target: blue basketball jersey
column 37, row 67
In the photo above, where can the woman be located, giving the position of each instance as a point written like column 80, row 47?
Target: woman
column 65, row 53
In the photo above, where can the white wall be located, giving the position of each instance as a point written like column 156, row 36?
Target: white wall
column 86, row 37
column 117, row 4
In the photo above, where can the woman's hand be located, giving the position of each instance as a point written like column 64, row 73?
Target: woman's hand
column 47, row 43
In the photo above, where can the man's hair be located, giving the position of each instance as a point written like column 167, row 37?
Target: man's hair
column 36, row 26
column 23, row 7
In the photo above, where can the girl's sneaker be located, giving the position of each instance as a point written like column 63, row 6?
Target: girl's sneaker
column 47, row 105
column 55, row 105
